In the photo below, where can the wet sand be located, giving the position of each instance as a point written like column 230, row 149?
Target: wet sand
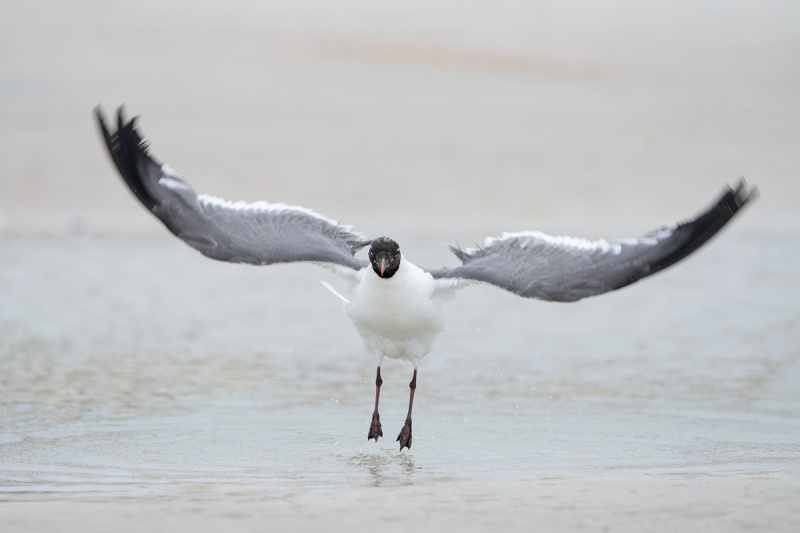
column 146, row 387
column 732, row 504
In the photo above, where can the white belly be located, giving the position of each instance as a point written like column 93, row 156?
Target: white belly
column 397, row 317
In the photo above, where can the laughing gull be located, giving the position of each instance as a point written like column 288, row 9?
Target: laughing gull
column 395, row 305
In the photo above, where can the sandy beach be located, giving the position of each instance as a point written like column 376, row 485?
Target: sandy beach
column 145, row 387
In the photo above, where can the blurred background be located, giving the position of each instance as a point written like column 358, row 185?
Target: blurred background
column 507, row 115
column 138, row 374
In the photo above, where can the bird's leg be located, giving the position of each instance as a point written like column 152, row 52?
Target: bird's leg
column 375, row 430
column 404, row 438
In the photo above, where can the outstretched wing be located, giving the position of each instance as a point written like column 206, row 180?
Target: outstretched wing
column 566, row 269
column 257, row 233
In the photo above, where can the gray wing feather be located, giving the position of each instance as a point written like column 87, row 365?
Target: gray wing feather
column 566, row 269
column 258, row 233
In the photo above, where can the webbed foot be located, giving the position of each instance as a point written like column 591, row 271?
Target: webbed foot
column 404, row 438
column 375, row 430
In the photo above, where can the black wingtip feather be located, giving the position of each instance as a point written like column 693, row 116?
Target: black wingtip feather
column 126, row 148
column 696, row 232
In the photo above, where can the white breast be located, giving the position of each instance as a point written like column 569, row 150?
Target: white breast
column 398, row 317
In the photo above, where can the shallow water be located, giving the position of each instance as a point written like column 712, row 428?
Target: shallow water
column 135, row 365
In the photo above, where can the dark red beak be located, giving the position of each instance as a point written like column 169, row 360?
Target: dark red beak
column 382, row 264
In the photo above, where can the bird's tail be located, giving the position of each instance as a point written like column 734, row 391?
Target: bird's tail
column 328, row 286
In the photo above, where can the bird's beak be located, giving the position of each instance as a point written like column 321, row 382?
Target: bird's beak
column 382, row 265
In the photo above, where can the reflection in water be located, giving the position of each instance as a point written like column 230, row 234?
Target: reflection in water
column 386, row 466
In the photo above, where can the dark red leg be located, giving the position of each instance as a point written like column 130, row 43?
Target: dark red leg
column 375, row 430
column 404, row 438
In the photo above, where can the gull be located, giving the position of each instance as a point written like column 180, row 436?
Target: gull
column 395, row 305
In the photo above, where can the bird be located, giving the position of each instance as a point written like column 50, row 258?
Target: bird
column 395, row 305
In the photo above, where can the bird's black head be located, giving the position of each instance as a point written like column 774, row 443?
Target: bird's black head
column 384, row 254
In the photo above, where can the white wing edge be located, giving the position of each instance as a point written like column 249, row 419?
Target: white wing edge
column 213, row 201
column 576, row 243
column 172, row 180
